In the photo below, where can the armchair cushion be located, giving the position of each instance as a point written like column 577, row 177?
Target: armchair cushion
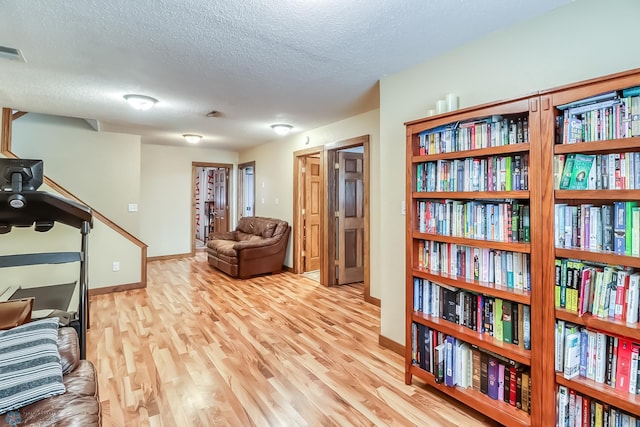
column 30, row 368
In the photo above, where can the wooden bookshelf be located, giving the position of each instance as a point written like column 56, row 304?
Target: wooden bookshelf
column 553, row 98
column 499, row 410
column 541, row 110
column 599, row 256
column 470, row 195
column 478, row 152
column 600, row 147
column 609, row 326
column 496, row 291
column 504, row 116
column 486, row 341
column 614, row 397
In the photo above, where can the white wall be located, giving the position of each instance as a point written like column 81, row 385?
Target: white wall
column 585, row 39
column 274, row 176
column 100, row 168
column 166, row 189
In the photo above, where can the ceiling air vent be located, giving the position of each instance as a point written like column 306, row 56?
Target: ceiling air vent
column 11, row 54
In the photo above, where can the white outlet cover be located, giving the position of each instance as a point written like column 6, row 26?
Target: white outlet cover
column 133, row 207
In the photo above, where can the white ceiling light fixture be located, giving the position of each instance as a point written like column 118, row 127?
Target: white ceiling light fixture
column 281, row 128
column 192, row 138
column 141, row 102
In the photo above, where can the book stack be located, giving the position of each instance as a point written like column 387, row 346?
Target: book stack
column 611, row 115
column 607, row 292
column 577, row 410
column 494, row 131
column 491, row 266
column 615, row 171
column 506, row 321
column 493, row 173
column 456, row 363
column 484, row 220
column 610, row 227
column 597, row 356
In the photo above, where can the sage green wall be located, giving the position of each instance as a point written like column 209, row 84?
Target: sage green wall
column 274, row 176
column 584, row 39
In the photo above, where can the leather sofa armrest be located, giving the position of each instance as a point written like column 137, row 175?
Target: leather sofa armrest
column 222, row 235
column 69, row 349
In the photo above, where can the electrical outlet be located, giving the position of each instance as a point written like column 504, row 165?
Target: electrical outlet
column 133, row 207
column 116, row 266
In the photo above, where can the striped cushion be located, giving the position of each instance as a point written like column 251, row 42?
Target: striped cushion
column 30, row 368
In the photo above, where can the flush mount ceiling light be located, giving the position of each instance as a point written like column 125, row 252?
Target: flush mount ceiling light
column 192, row 138
column 141, row 102
column 281, row 129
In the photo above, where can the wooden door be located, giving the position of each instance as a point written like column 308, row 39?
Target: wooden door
column 312, row 182
column 221, row 208
column 350, row 218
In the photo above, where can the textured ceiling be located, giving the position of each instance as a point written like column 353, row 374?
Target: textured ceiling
column 258, row 62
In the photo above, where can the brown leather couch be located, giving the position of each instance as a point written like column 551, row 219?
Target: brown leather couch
column 257, row 246
column 78, row 406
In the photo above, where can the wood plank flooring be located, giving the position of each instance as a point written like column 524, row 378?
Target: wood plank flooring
column 197, row 348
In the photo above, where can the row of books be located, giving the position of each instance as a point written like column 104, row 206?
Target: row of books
column 501, row 221
column 607, row 292
column 614, row 115
column 616, row 171
column 495, row 173
column 454, row 362
column 505, row 320
column 494, row 131
column 613, row 228
column 491, row 266
column 577, row 410
column 594, row 355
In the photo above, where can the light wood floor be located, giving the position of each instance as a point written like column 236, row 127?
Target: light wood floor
column 197, row 348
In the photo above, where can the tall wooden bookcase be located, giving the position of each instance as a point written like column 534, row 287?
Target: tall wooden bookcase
column 539, row 111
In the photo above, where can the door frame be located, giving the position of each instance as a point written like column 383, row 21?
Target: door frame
column 327, row 243
column 298, row 203
column 206, row 165
column 240, row 188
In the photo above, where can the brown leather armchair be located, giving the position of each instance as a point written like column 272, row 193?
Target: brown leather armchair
column 257, row 246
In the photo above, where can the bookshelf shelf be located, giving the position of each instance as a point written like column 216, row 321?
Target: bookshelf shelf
column 469, row 195
column 597, row 195
column 480, row 152
column 470, row 336
column 498, row 410
column 493, row 244
column 515, row 295
column 600, row 147
column 599, row 256
column 610, row 326
column 618, row 398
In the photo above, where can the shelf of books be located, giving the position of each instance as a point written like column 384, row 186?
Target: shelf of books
column 593, row 256
column 470, row 300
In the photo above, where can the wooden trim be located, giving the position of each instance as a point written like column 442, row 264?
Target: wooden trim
column 167, row 257
column 287, row 269
column 5, row 132
column 116, row 288
column 391, row 344
column 329, row 213
column 590, row 82
column 371, row 300
column 298, row 202
column 18, row 114
column 348, row 143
